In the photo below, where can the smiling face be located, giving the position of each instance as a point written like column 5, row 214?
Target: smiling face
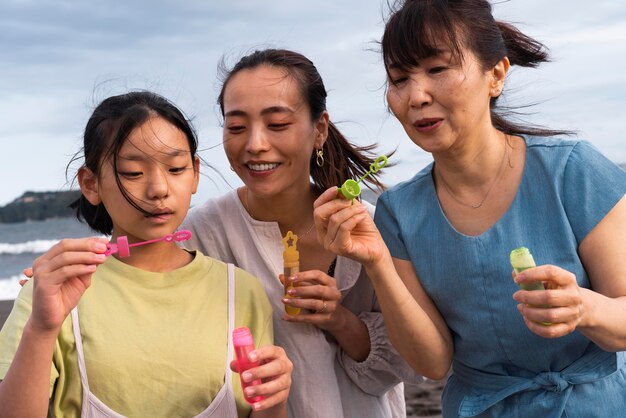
column 155, row 167
column 443, row 101
column 269, row 136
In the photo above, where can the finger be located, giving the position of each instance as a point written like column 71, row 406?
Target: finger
column 551, row 297
column 313, row 276
column 550, row 315
column 270, row 401
column 234, row 366
column 65, row 273
column 65, row 259
column 281, row 277
column 549, row 331
column 314, row 305
column 553, row 276
column 91, row 244
column 328, row 196
column 28, row 272
column 343, row 238
column 23, row 282
column 315, row 292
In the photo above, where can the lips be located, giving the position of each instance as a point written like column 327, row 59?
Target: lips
column 427, row 124
column 259, row 167
column 161, row 213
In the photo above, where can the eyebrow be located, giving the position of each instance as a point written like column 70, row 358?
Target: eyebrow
column 142, row 156
column 266, row 111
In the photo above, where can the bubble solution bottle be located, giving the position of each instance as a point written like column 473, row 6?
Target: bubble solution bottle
column 291, row 263
column 243, row 345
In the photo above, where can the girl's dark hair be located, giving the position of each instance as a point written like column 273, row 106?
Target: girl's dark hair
column 343, row 160
column 416, row 27
column 109, row 126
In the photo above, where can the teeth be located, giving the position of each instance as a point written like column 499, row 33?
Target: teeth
column 262, row 167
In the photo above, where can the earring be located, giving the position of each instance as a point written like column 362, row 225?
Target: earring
column 319, row 159
column 231, row 168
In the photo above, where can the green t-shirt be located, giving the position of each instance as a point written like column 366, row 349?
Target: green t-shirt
column 154, row 343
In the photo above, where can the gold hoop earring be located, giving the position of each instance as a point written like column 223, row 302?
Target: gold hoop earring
column 319, row 159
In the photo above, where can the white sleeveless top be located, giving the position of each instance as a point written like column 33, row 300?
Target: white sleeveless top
column 223, row 406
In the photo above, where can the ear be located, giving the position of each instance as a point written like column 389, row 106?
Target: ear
column 321, row 130
column 498, row 75
column 196, row 173
column 88, row 182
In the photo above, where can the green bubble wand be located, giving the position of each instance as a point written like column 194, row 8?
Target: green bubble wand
column 351, row 189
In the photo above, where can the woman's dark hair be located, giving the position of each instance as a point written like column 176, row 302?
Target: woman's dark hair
column 343, row 160
column 109, row 126
column 416, row 28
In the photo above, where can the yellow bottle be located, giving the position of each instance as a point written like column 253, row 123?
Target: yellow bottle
column 291, row 266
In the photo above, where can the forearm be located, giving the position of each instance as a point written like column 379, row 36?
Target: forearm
column 604, row 321
column 24, row 392
column 414, row 334
column 351, row 334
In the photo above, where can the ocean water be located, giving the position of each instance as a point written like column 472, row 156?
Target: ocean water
column 22, row 243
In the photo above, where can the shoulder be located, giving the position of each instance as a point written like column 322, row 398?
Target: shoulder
column 408, row 190
column 212, row 209
column 568, row 155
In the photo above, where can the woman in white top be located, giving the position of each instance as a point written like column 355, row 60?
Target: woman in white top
column 277, row 137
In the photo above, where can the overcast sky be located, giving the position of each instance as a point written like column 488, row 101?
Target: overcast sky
column 59, row 58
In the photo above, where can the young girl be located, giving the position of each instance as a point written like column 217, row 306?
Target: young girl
column 146, row 335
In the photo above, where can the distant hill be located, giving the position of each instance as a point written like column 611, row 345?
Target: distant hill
column 38, row 206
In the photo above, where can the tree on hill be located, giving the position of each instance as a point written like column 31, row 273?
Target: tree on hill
column 38, row 206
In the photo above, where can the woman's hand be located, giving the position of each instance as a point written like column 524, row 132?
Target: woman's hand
column 60, row 277
column 553, row 312
column 345, row 228
column 274, row 372
column 316, row 292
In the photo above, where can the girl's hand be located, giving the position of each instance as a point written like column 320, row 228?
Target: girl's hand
column 344, row 227
column 61, row 276
column 316, row 292
column 553, row 312
column 274, row 372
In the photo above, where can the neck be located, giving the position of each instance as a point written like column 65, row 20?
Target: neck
column 293, row 211
column 475, row 164
column 159, row 257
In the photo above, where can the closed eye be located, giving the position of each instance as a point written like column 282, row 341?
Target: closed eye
column 130, row 174
column 235, row 129
column 178, row 170
column 278, row 126
column 437, row 70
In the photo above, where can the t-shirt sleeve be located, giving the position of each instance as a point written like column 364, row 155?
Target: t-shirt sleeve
column 11, row 332
column 592, row 186
column 387, row 223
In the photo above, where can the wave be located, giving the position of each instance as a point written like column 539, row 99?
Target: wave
column 34, row 247
column 10, row 287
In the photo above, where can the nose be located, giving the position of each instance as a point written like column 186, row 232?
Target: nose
column 419, row 95
column 157, row 185
column 257, row 141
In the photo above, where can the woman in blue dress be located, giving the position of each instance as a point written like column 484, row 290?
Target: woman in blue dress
column 442, row 274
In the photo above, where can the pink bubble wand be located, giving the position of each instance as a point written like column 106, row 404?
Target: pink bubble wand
column 122, row 247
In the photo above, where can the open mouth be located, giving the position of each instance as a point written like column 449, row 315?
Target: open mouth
column 427, row 124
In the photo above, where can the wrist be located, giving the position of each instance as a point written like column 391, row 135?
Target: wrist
column 42, row 333
column 380, row 265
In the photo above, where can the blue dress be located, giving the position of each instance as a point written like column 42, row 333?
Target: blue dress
column 500, row 368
